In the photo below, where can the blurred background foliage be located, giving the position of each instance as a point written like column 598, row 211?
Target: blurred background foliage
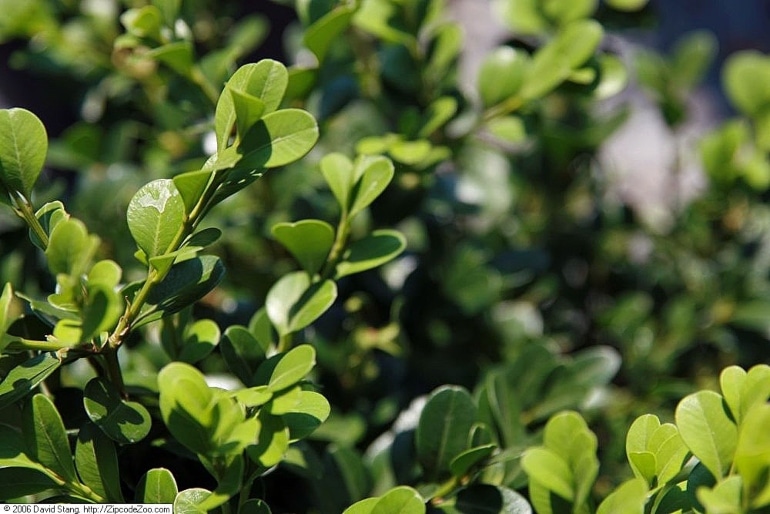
column 601, row 243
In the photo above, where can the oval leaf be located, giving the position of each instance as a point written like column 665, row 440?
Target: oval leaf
column 292, row 367
column 502, row 74
column 23, row 148
column 156, row 486
column 376, row 173
column 373, row 250
column 46, row 437
column 279, row 138
column 26, row 376
column 309, row 241
column 155, row 215
column 124, row 422
column 400, row 500
column 294, row 303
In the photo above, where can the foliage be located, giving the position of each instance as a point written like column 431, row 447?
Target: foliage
column 354, row 284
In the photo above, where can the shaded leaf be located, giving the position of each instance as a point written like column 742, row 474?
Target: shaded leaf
column 97, row 463
column 294, row 302
column 373, row 250
column 26, row 376
column 123, row 421
column 309, row 241
column 46, row 438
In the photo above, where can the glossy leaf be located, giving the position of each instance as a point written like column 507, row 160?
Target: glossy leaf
column 502, row 74
column 23, row 148
column 294, row 303
column 185, row 283
column 375, row 249
column 309, row 241
column 97, row 463
column 156, row 486
column 155, row 215
column 743, row 390
column 46, row 438
column 242, row 353
column 105, row 273
column 724, row 497
column 26, row 376
column 707, row 430
column 442, row 431
column 400, row 500
column 123, row 421
column 292, row 367
column 311, row 410
column 279, row 138
column 191, row 186
column 188, row 501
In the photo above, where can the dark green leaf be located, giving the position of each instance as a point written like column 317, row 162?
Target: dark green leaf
column 311, row 410
column 242, row 353
column 200, row 338
column 185, row 404
column 123, row 421
column 191, row 186
column 17, row 482
column 489, row 499
column 97, row 463
column 25, row 377
column 467, row 460
column 370, row 252
column 442, row 431
column 46, row 438
column 277, row 139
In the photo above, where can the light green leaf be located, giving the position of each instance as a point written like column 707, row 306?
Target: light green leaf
column 273, row 441
column 555, row 61
column 200, row 338
column 49, row 215
column 292, row 367
column 400, row 500
column 376, row 172
column 248, row 109
column 294, row 302
column 375, row 249
column 437, row 115
column 46, row 438
column 143, row 22
column 341, row 176
column 177, row 55
column 102, row 310
column 188, row 501
column 442, row 431
column 565, row 11
column 724, row 498
column 752, row 454
column 277, row 139
column 502, row 74
column 629, row 497
column 155, row 215
column 97, row 463
column 363, row 506
column 509, row 129
column 25, row 377
column 23, row 148
column 550, row 470
column 156, row 486
column 743, row 75
column 185, row 405
column 309, row 241
column 311, row 410
column 707, row 430
column 106, row 273
column 613, row 76
column 70, row 248
column 6, row 317
column 322, row 33
column 123, row 421
column 191, row 186
column 742, row 390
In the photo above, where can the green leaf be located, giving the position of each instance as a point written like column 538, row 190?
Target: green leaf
column 340, row 174
column 311, row 410
column 627, row 5
column 707, row 430
column 248, row 109
column 279, row 138
column 254, row 506
column 191, row 186
column 156, row 486
column 170, row 10
column 375, row 249
column 321, row 34
column 185, row 405
column 229, row 483
column 743, row 75
column 6, row 318
column 265, row 80
column 26, row 376
column 155, row 215
column 106, row 273
column 522, row 16
column 273, row 441
column 363, row 506
column 742, row 390
column 565, row 11
column 18, row 482
column 549, row 469
column 292, row 367
column 70, row 248
column 469, row 459
column 309, row 241
column 102, row 310
column 482, row 498
column 438, row 113
column 143, row 22
column 442, row 431
column 23, row 148
column 188, row 501
column 46, row 438
column 752, row 454
column 49, row 215
column 97, row 463
column 555, row 61
column 724, row 498
column 509, row 129
column 376, row 172
column 123, row 421
column 242, row 353
column 629, row 497
column 177, row 55
column 400, row 500
column 692, row 57
column 186, row 282
column 200, row 339
column 502, row 74
column 294, row 302
column 345, row 478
